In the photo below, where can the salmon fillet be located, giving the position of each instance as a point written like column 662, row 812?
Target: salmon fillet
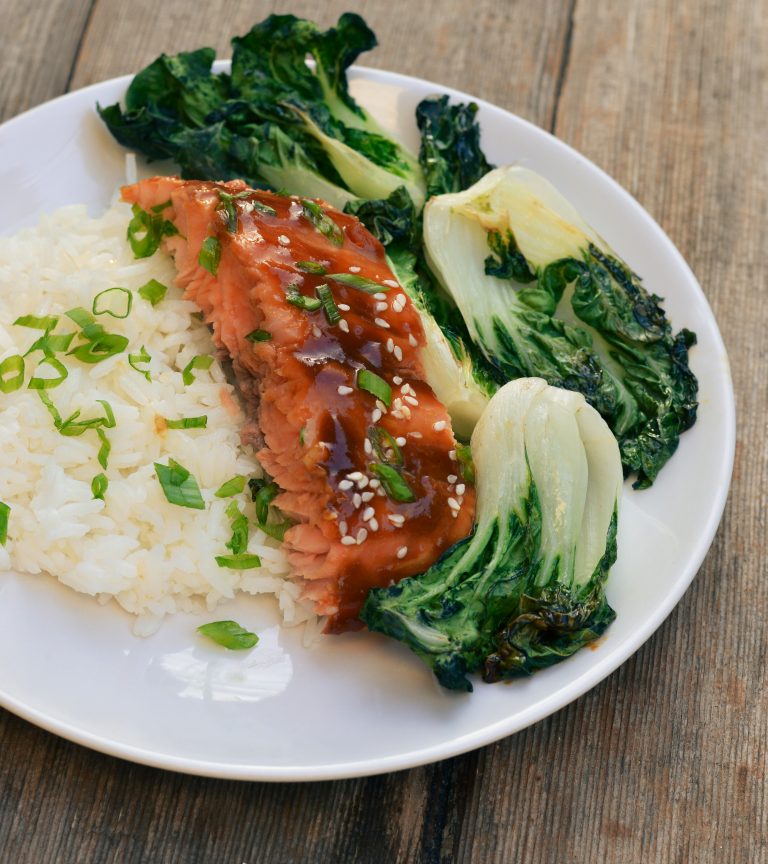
column 329, row 443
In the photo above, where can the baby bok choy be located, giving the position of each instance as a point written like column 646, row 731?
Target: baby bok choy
column 543, row 295
column 526, row 588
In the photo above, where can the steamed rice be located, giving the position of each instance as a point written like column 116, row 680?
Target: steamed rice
column 154, row 558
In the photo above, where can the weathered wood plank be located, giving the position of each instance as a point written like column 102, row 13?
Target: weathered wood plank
column 40, row 43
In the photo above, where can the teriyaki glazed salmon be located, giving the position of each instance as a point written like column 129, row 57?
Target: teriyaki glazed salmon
column 326, row 348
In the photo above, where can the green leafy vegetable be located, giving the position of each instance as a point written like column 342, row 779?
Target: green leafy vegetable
column 229, row 634
column 116, row 302
column 526, row 589
column 234, row 486
column 374, row 384
column 200, row 361
column 584, row 323
column 141, row 356
column 210, row 255
column 153, row 291
column 179, row 486
column 11, row 373
column 5, row 512
column 99, row 486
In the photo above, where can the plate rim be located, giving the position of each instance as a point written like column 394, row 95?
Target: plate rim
column 554, row 701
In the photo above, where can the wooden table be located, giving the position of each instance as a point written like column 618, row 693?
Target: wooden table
column 665, row 760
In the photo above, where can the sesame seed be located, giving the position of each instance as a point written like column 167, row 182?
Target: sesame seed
column 379, row 295
column 356, row 500
column 362, row 482
column 354, row 269
column 343, row 307
column 407, row 412
column 454, row 513
column 390, row 345
column 397, row 413
column 316, row 332
column 366, row 496
column 343, row 390
column 415, row 434
column 376, row 415
column 391, row 283
column 411, row 401
column 342, row 527
column 454, row 504
column 347, row 540
column 367, row 446
column 461, row 489
column 398, row 352
column 401, row 442
column 373, row 525
column 380, row 322
column 354, row 475
column 381, row 306
column 397, row 380
column 343, row 326
column 283, row 240
column 381, row 493
column 396, row 518
column 381, row 406
column 374, row 484
column 362, row 534
column 452, row 455
column 402, row 552
column 439, row 426
column 368, row 513
column 412, row 341
column 451, row 478
column 345, row 484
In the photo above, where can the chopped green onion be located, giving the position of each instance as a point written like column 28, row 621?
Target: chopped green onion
column 210, row 255
column 100, row 347
column 259, row 336
column 276, row 530
column 262, row 494
column 72, row 427
column 145, row 231
column 201, row 361
column 229, row 634
column 309, row 304
column 374, row 384
column 82, row 317
column 188, row 422
column 52, row 410
column 39, row 383
column 360, row 283
column 301, row 435
column 45, row 322
column 99, row 486
column 322, row 222
column 312, row 267
column 140, row 357
column 238, row 543
column 179, row 486
column 158, row 208
column 5, row 512
column 385, row 446
column 232, row 487
column 329, row 304
column 11, row 373
column 153, row 291
column 263, row 208
column 51, row 343
column 392, row 482
column 103, row 455
column 107, row 297
column 241, row 561
column 466, row 465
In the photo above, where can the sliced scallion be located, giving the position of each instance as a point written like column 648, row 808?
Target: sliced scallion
column 36, row 382
column 5, row 512
column 232, row 487
column 330, row 308
column 210, row 255
column 103, row 455
column 72, row 427
column 99, row 486
column 374, row 384
column 392, row 481
column 322, row 222
column 259, row 336
column 140, row 357
column 466, row 465
column 188, row 422
column 158, row 208
column 385, row 446
column 359, row 283
column 179, row 486
column 229, row 634
column 51, row 343
column 241, row 561
column 262, row 494
column 100, row 348
column 116, row 302
column 153, row 291
column 201, row 361
column 308, row 304
column 312, row 267
column 11, row 373
column 238, row 543
column 38, row 322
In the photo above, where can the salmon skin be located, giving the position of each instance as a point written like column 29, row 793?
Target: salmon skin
column 346, row 461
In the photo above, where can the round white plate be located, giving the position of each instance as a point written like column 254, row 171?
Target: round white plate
column 357, row 704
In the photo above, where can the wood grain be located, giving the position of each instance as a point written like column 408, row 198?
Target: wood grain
column 663, row 762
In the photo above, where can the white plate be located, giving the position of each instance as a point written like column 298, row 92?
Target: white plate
column 358, row 704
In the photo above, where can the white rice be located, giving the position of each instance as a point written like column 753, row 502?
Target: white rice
column 154, row 558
